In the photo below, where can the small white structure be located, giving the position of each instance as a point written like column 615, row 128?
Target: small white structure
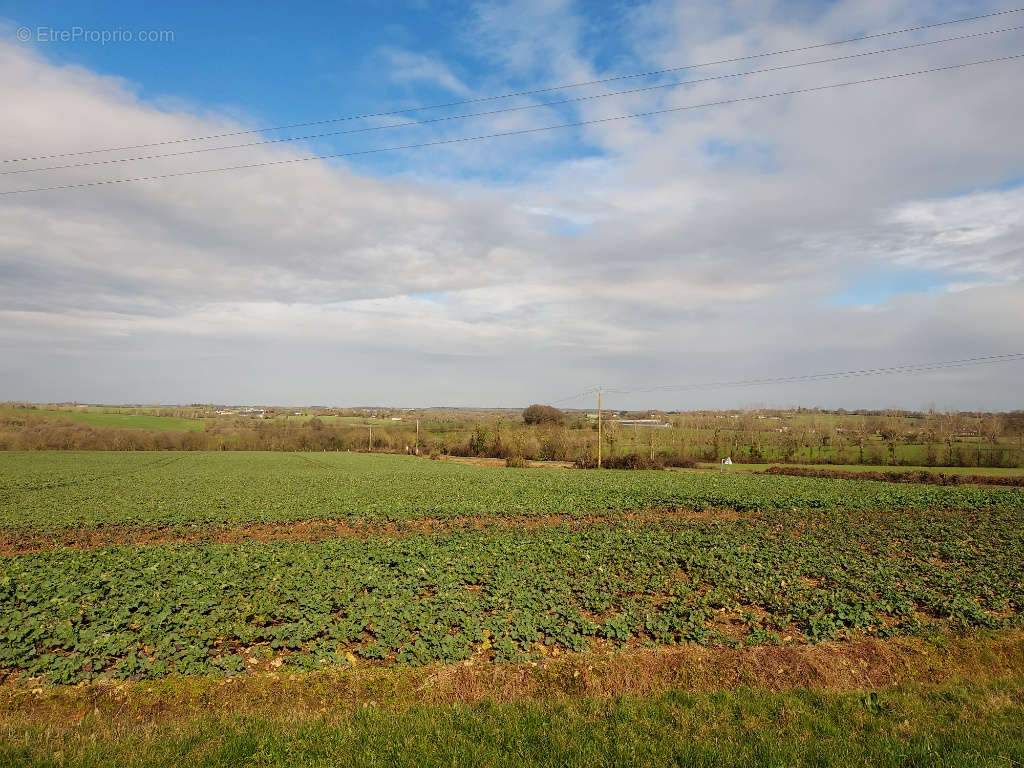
column 727, row 460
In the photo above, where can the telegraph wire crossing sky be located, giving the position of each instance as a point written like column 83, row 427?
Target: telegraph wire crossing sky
column 442, row 142
column 566, row 86
column 850, row 228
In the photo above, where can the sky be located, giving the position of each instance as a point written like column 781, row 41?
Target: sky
column 862, row 226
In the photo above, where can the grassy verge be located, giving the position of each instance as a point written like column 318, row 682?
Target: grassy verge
column 963, row 724
column 994, row 471
column 941, row 700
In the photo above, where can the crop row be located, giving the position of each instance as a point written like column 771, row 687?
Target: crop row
column 69, row 489
column 785, row 576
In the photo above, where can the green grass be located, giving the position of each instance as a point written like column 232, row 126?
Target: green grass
column 974, row 725
column 994, row 471
column 122, row 420
column 40, row 490
column 331, row 419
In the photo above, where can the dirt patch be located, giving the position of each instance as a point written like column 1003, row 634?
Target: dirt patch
column 865, row 664
column 14, row 542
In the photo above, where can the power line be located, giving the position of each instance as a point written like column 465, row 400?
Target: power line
column 886, row 371
column 518, row 132
column 514, row 94
column 906, row 368
column 590, row 391
column 449, row 118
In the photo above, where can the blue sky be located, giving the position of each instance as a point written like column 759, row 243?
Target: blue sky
column 872, row 286
column 721, row 243
column 251, row 55
column 312, row 62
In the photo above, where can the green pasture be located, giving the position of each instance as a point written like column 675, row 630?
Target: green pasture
column 102, row 418
column 992, row 471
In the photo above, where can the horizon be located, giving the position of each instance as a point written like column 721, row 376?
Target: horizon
column 753, row 408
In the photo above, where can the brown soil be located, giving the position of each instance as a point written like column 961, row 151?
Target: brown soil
column 13, row 542
column 850, row 665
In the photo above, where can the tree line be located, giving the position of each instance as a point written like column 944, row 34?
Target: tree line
column 544, row 433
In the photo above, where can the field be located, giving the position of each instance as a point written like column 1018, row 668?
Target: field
column 395, row 607
column 898, row 438
column 70, row 489
column 98, row 417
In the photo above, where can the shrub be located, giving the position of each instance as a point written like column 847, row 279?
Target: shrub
column 626, row 461
column 543, row 414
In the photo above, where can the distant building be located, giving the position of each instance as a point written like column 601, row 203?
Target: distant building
column 643, row 423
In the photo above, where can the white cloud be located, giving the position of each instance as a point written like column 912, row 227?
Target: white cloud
column 410, row 68
column 680, row 264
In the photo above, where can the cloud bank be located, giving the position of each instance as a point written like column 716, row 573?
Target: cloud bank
column 707, row 245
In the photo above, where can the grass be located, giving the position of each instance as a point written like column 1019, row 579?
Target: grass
column 994, row 471
column 103, row 419
column 962, row 724
column 332, row 419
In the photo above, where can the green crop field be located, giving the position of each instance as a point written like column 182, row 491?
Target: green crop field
column 122, row 612
column 68, row 489
column 449, row 566
column 807, row 559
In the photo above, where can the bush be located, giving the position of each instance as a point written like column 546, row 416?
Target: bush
column 626, row 461
column 516, row 461
column 543, row 414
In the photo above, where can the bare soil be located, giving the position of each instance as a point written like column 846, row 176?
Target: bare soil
column 14, row 542
column 864, row 664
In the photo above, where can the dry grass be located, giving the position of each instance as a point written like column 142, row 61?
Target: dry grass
column 868, row 664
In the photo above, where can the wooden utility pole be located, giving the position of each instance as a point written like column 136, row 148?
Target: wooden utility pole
column 598, row 428
column 417, row 437
column 369, row 442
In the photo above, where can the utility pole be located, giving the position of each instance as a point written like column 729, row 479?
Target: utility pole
column 598, row 428
column 369, row 442
column 417, row 437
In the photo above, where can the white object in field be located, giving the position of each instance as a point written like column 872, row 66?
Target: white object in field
column 727, row 460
